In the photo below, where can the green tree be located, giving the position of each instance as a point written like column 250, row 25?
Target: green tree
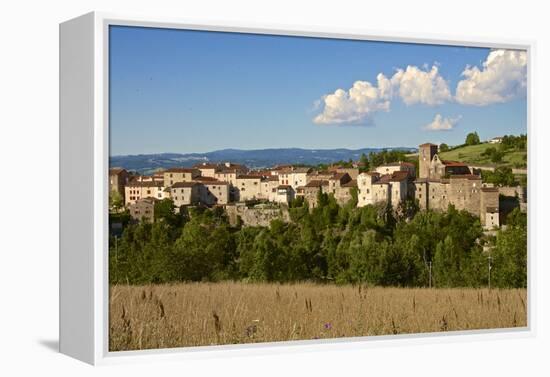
column 510, row 253
column 472, row 139
column 366, row 254
column 116, row 202
column 443, row 147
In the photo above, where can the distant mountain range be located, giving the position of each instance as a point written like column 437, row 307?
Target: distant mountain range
column 260, row 158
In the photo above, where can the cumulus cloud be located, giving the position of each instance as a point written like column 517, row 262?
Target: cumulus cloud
column 357, row 104
column 502, row 78
column 442, row 124
column 415, row 85
column 363, row 99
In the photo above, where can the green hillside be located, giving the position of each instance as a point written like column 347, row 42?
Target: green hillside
column 473, row 154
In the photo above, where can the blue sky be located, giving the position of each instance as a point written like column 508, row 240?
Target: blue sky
column 189, row 91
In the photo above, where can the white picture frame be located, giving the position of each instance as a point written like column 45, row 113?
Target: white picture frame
column 84, row 152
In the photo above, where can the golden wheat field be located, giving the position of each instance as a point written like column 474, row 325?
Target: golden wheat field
column 197, row 314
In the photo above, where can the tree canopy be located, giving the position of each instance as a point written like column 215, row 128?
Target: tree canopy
column 329, row 243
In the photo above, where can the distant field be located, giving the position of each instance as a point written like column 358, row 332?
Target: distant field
column 197, row 314
column 472, row 154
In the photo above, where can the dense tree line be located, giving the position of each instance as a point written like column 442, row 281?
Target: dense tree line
column 330, row 243
column 502, row 176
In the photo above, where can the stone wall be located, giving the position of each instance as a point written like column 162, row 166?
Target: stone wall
column 521, row 192
column 463, row 193
column 256, row 216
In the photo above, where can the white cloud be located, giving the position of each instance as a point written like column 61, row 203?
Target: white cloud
column 442, row 124
column 363, row 99
column 415, row 85
column 502, row 78
column 357, row 104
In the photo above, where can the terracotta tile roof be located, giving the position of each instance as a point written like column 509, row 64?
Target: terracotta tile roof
column 385, row 179
column 181, row 170
column 145, row 184
column 398, row 176
column 184, row 184
column 205, row 179
column 316, row 183
column 453, row 163
column 249, row 176
column 216, row 183
column 116, row 171
column 263, row 173
column 339, row 176
column 352, row 183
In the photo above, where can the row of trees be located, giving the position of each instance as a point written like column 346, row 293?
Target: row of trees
column 375, row 159
column 331, row 243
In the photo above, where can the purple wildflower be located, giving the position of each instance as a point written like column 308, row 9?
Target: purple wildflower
column 328, row 326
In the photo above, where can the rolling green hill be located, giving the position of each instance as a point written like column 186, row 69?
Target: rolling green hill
column 472, row 154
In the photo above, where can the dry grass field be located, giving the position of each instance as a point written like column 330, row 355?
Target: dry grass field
column 196, row 314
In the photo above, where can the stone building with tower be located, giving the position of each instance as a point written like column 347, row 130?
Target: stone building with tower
column 441, row 182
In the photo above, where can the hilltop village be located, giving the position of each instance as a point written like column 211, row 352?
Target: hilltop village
column 437, row 184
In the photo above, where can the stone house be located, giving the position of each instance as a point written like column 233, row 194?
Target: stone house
column 118, row 178
column 213, row 169
column 337, row 181
column 269, row 188
column 352, row 172
column 185, row 193
column 397, row 186
column 367, row 192
column 249, row 187
column 207, row 169
column 294, row 177
column 175, row 175
column 388, row 188
column 285, row 194
column 344, row 192
column 143, row 210
column 137, row 189
column 214, row 193
column 311, row 190
column 490, row 207
column 397, row 166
